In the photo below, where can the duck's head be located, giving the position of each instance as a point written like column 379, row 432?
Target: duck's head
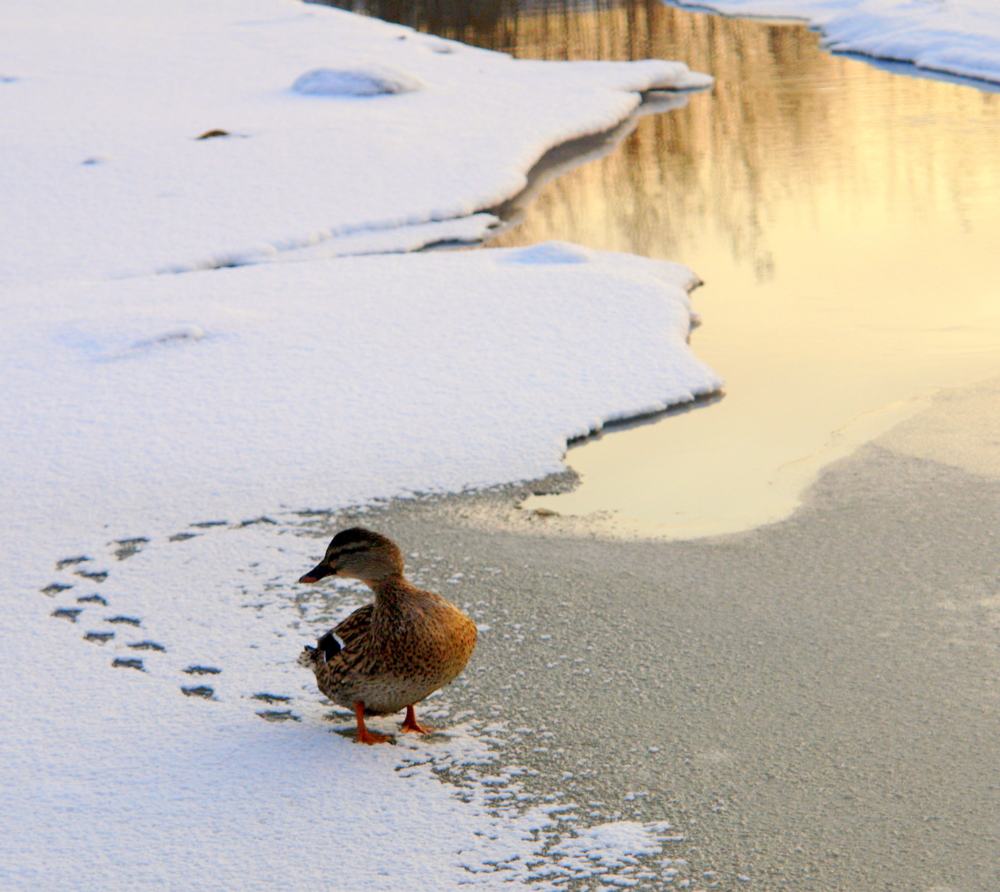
column 359, row 554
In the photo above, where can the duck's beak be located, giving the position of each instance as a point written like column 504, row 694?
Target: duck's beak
column 317, row 573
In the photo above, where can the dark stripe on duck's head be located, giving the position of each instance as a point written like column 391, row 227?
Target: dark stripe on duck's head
column 356, row 539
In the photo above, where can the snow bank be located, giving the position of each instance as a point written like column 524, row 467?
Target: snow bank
column 959, row 37
column 104, row 104
column 225, row 393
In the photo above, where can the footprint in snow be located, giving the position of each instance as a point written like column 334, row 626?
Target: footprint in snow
column 121, row 550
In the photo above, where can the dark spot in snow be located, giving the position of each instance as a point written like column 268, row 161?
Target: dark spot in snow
column 199, row 691
column 212, row 134
column 54, row 588
column 92, row 599
column 202, row 670
column 205, row 524
column 119, row 663
column 148, row 645
column 261, row 519
column 94, row 576
column 271, row 698
column 99, row 637
column 320, row 512
column 70, row 613
column 182, row 537
column 128, row 547
column 270, row 715
column 128, row 620
column 68, row 562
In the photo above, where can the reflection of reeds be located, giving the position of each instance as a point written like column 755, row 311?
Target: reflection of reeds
column 485, row 23
column 785, row 118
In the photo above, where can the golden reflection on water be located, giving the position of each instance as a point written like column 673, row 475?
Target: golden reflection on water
column 845, row 221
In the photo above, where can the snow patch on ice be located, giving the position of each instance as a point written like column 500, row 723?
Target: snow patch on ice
column 329, row 383
column 606, row 843
column 551, row 252
column 372, row 80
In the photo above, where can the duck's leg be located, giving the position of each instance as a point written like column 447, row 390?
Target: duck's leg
column 410, row 723
column 364, row 735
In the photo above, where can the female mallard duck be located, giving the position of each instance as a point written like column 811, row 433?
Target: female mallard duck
column 393, row 653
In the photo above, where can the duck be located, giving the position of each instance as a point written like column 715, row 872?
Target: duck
column 391, row 654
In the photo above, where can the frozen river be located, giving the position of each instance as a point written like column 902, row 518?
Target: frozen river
column 843, row 217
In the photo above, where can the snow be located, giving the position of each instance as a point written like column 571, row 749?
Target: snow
column 231, row 392
column 957, row 37
column 118, row 779
column 135, row 87
column 167, row 416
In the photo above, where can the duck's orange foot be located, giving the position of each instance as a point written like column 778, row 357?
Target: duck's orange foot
column 364, row 735
column 410, row 723
column 370, row 737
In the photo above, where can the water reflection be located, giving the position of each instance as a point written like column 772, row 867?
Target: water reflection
column 537, row 29
column 844, row 219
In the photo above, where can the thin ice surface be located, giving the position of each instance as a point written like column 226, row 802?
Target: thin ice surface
column 143, row 138
column 959, row 37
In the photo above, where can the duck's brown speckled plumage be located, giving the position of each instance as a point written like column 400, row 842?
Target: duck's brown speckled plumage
column 391, row 654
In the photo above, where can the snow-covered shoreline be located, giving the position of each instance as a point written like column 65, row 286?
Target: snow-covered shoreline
column 958, row 37
column 118, row 216
column 107, row 176
column 159, row 400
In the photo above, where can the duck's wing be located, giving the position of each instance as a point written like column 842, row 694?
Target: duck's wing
column 349, row 634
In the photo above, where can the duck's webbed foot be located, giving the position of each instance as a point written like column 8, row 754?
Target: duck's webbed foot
column 364, row 735
column 410, row 723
